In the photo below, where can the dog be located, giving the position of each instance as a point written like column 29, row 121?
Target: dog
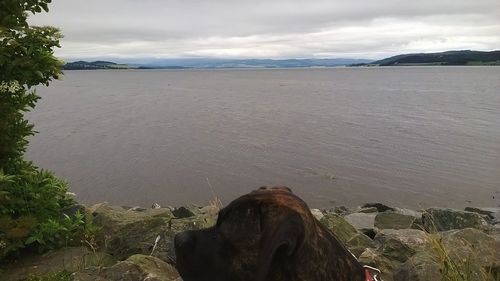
column 266, row 235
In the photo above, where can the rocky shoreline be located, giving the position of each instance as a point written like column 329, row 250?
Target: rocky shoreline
column 137, row 243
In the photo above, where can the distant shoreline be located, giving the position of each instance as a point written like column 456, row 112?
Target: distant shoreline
column 449, row 58
column 282, row 68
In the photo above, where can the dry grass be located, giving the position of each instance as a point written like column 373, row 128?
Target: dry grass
column 215, row 201
column 454, row 267
column 465, row 268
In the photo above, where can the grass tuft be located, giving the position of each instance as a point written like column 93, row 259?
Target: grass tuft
column 215, row 201
column 465, row 266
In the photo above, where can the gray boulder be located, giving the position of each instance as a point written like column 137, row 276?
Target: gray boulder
column 379, row 206
column 355, row 241
column 410, row 254
column 186, row 211
column 317, row 214
column 339, row 210
column 473, row 244
column 492, row 214
column 495, row 231
column 393, row 220
column 420, row 267
column 136, row 267
column 339, row 226
column 359, row 243
column 361, row 221
column 395, row 247
column 400, row 245
column 127, row 232
column 409, row 212
column 374, row 258
column 436, row 219
column 367, row 210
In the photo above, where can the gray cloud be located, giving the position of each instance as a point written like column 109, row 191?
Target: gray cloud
column 280, row 28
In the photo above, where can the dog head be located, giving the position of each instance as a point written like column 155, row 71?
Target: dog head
column 255, row 233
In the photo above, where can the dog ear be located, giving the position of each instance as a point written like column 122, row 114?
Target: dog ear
column 286, row 236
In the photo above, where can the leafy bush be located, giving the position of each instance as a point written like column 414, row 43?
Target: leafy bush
column 31, row 204
column 31, row 199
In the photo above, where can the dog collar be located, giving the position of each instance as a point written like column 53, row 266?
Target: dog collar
column 371, row 273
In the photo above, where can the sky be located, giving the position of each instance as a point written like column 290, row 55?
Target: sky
column 370, row 29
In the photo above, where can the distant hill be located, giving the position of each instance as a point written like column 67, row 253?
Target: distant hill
column 444, row 58
column 207, row 63
column 84, row 65
column 466, row 57
column 247, row 63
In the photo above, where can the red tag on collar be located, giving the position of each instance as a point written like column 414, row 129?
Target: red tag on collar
column 369, row 276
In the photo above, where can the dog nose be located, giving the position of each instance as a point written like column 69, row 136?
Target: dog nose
column 185, row 241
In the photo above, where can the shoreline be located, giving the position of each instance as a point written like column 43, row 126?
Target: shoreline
column 325, row 206
column 393, row 239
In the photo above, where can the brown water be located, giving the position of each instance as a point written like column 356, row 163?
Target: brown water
column 408, row 136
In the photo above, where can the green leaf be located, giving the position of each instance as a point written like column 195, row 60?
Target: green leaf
column 44, row 6
column 31, row 240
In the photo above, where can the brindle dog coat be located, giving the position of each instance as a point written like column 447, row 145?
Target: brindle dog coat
column 266, row 235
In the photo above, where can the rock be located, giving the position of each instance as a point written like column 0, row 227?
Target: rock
column 339, row 226
column 339, row 210
column 408, row 212
column 413, row 238
column 435, row 219
column 137, row 209
column 400, row 245
column 379, row 206
column 474, row 244
column 361, row 221
column 369, row 232
column 392, row 220
column 396, row 250
column 186, row 212
column 70, row 259
column 136, row 267
column 355, row 241
column 367, row 210
column 415, row 255
column 317, row 214
column 420, row 267
column 493, row 214
column 359, row 243
column 373, row 258
column 73, row 209
column 495, row 232
column 126, row 232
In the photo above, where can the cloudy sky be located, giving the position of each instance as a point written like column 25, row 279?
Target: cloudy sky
column 271, row 28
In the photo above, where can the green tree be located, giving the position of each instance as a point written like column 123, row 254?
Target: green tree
column 26, row 59
column 31, row 200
